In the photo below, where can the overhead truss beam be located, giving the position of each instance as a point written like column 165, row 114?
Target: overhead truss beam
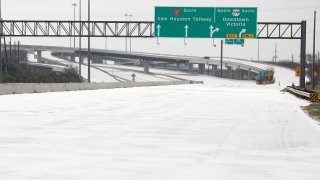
column 279, row 30
column 266, row 30
column 141, row 29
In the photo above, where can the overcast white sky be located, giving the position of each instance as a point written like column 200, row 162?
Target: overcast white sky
column 268, row 10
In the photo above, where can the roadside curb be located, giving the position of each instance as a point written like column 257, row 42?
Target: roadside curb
column 25, row 88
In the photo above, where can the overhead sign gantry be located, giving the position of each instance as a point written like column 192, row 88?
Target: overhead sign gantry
column 144, row 29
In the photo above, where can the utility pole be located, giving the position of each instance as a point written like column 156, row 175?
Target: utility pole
column 292, row 61
column 10, row 49
column 14, row 52
column 275, row 54
column 5, row 51
column 18, row 52
column 319, row 58
column 89, row 43
column 106, row 43
column 314, row 48
column 80, row 55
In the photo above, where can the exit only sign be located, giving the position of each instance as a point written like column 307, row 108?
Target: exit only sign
column 205, row 22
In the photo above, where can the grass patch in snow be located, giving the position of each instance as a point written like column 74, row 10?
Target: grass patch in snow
column 313, row 110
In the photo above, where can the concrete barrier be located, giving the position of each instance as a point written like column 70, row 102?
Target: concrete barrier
column 6, row 89
column 22, row 88
column 41, row 88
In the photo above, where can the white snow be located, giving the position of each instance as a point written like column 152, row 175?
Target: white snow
column 224, row 129
column 282, row 75
column 127, row 71
column 31, row 58
column 96, row 75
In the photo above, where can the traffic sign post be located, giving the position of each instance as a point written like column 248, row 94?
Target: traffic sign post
column 205, row 22
column 234, row 41
column 298, row 71
column 262, row 74
column 270, row 75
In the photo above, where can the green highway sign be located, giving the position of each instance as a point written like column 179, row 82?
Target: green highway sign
column 234, row 41
column 262, row 74
column 205, row 22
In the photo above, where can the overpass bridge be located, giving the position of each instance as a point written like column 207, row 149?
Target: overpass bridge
column 233, row 69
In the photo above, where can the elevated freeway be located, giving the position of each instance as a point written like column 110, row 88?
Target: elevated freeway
column 147, row 58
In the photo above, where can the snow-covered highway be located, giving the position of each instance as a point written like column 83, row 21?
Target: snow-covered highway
column 223, row 129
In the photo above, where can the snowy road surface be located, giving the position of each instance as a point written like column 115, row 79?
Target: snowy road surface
column 96, row 75
column 282, row 75
column 224, row 129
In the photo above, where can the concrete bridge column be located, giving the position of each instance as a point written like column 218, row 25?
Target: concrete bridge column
column 39, row 56
column 229, row 72
column 238, row 73
column 190, row 68
column 249, row 74
column 146, row 66
column 214, row 70
column 72, row 58
column 201, row 68
column 178, row 67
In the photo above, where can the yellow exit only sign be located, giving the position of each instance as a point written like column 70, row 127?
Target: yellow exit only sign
column 248, row 35
column 232, row 35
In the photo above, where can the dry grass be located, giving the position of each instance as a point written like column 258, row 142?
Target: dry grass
column 313, row 110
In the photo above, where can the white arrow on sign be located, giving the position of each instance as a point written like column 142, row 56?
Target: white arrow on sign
column 186, row 27
column 242, row 31
column 212, row 31
column 159, row 27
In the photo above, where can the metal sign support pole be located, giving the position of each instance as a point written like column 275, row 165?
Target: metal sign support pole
column 89, row 34
column 303, row 54
column 0, row 60
column 80, row 27
column 221, row 58
column 314, row 49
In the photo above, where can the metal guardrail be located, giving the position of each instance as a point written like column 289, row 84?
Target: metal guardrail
column 310, row 95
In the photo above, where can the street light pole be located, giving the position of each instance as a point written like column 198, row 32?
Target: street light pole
column 128, row 15
column 74, row 21
column 129, row 30
column 89, row 43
